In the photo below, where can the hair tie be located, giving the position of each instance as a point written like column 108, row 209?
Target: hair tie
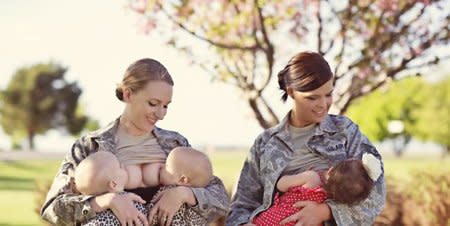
column 372, row 166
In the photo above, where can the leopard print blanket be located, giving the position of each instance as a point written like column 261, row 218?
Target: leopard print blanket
column 185, row 216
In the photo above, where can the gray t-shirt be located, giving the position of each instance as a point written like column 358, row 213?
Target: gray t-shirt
column 138, row 149
column 303, row 158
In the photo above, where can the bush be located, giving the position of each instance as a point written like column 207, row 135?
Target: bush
column 41, row 189
column 423, row 200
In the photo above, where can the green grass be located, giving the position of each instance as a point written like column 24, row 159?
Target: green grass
column 17, row 184
column 18, row 180
column 402, row 168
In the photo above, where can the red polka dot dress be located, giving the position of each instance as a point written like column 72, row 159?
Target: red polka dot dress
column 282, row 206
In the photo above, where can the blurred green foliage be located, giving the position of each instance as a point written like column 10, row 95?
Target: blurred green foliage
column 433, row 118
column 38, row 98
column 422, row 107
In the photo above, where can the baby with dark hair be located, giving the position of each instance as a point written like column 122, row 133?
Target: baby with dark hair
column 348, row 182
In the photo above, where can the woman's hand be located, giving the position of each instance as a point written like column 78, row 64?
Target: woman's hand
column 312, row 214
column 168, row 202
column 122, row 206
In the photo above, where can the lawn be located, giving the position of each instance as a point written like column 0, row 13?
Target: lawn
column 18, row 180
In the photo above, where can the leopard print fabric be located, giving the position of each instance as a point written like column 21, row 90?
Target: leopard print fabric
column 185, row 216
column 107, row 217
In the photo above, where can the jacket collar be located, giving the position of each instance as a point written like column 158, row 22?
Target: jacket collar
column 282, row 129
column 107, row 131
column 111, row 130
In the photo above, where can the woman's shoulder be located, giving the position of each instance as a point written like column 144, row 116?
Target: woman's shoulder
column 265, row 136
column 109, row 128
column 164, row 134
column 340, row 122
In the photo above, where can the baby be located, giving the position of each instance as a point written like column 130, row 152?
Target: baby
column 348, row 182
column 102, row 172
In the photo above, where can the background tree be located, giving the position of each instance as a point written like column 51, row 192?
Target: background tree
column 37, row 99
column 396, row 101
column 433, row 119
column 367, row 42
column 421, row 106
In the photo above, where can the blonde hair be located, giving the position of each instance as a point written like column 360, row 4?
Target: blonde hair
column 139, row 73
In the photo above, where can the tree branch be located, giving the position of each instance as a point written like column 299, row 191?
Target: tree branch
column 269, row 49
column 339, row 57
column 319, row 30
column 198, row 36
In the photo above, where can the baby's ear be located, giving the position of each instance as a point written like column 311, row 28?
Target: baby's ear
column 112, row 186
column 184, row 180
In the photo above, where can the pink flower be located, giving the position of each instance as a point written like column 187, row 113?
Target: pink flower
column 425, row 2
column 388, row 5
column 140, row 6
column 364, row 72
column 146, row 26
column 418, row 50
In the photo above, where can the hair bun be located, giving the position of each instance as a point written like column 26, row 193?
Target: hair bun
column 119, row 93
column 282, row 82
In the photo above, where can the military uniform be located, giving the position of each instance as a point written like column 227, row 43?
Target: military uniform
column 65, row 206
column 335, row 139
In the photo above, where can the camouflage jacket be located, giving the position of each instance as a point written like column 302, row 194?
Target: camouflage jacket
column 64, row 206
column 336, row 138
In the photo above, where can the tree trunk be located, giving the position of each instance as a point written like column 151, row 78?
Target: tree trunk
column 264, row 114
column 31, row 140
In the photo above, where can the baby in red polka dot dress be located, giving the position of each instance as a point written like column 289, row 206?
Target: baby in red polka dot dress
column 348, row 182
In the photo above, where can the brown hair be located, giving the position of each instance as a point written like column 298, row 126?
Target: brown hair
column 305, row 71
column 348, row 182
column 139, row 73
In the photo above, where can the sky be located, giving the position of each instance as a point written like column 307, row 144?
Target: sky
column 97, row 40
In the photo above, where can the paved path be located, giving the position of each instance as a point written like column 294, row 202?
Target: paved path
column 30, row 155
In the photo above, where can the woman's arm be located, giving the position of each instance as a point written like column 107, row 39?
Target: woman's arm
column 64, row 206
column 365, row 212
column 249, row 192
column 309, row 178
column 211, row 201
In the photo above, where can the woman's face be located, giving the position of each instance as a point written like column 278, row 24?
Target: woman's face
column 149, row 104
column 311, row 106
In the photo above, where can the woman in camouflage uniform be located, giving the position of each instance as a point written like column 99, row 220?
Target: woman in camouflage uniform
column 146, row 90
column 308, row 138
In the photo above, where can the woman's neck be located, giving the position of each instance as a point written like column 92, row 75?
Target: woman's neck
column 130, row 127
column 296, row 122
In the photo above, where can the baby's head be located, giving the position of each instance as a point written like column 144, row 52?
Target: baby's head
column 348, row 182
column 186, row 166
column 100, row 172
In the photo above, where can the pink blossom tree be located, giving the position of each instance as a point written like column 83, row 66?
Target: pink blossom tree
column 367, row 42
